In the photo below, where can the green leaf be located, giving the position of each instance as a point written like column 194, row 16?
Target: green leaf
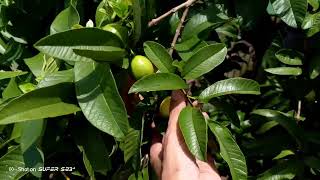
column 103, row 14
column 61, row 45
column 230, row 151
column 200, row 22
column 266, row 127
column 41, row 103
column 35, row 64
column 158, row 82
column 12, row 159
column 314, row 67
column 284, row 170
column 10, row 74
column 292, row 12
column 159, row 56
column 285, row 71
column 137, row 20
column 65, row 20
column 99, row 98
column 283, row 153
column 102, row 53
column 187, row 48
column 230, row 86
column 314, row 4
column 66, row 76
column 288, row 123
column 204, row 60
column 312, row 162
column 12, row 90
column 30, row 133
column 228, row 110
column 311, row 23
column 131, row 144
column 290, row 57
column 194, row 130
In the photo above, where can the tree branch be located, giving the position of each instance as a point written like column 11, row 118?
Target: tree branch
column 178, row 30
column 186, row 4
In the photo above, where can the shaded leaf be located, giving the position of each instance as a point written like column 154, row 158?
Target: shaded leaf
column 288, row 123
column 131, row 144
column 230, row 151
column 230, row 86
column 193, row 127
column 158, row 82
column 30, row 133
column 284, row 170
column 187, row 48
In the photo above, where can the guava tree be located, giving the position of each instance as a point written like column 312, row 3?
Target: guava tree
column 82, row 80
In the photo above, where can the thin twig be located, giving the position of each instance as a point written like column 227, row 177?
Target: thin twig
column 178, row 30
column 173, row 10
column 298, row 115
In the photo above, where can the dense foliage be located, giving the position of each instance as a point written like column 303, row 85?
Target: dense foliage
column 69, row 99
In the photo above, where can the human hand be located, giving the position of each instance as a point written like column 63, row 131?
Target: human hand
column 170, row 156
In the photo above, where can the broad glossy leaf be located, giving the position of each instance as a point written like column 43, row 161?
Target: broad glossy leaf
column 289, row 56
column 284, row 170
column 158, row 82
column 65, row 20
column 194, row 130
column 99, row 98
column 292, row 12
column 41, row 103
column 204, row 60
column 285, row 71
column 61, row 45
column 102, row 53
column 159, row 56
column 230, row 86
column 66, row 76
column 288, row 123
column 12, row 159
column 230, row 151
column 30, row 133
column 10, row 74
